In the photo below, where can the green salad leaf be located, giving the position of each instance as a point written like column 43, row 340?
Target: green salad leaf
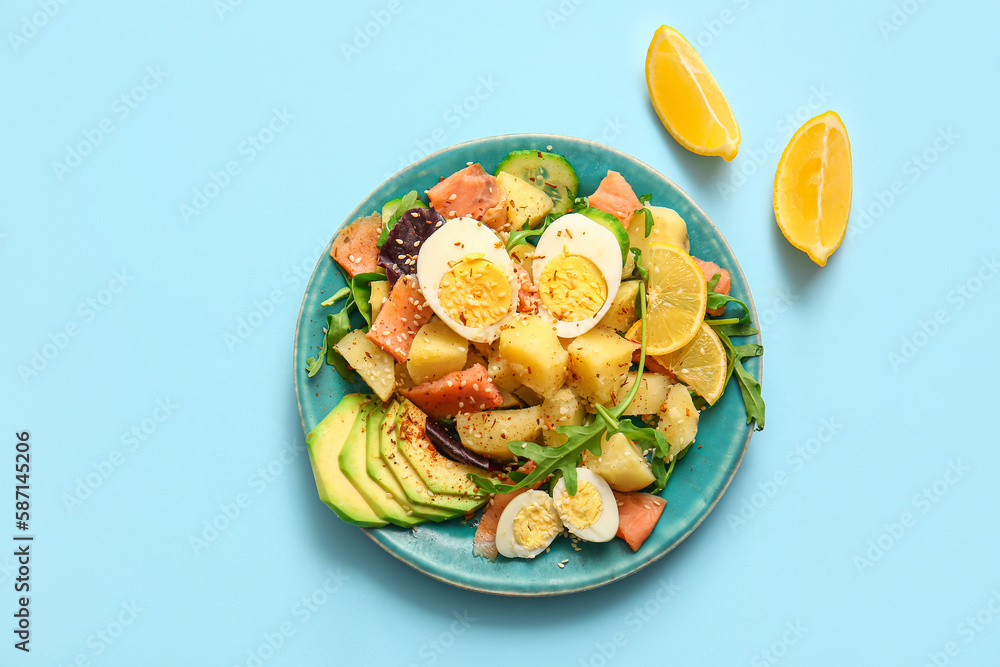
column 408, row 201
column 358, row 293
column 361, row 291
column 642, row 271
column 646, row 213
column 520, row 236
column 741, row 326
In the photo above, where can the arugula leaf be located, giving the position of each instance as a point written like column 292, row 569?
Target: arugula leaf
column 735, row 354
column 580, row 203
column 405, row 204
column 520, row 236
column 340, row 294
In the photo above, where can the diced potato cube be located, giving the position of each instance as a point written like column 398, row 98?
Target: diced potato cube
column 678, row 419
column 436, row 351
column 375, row 366
column 650, row 396
column 531, row 347
column 563, row 408
column 526, row 204
column 621, row 315
column 621, row 464
column 668, row 227
column 379, row 293
column 490, row 431
column 599, row 359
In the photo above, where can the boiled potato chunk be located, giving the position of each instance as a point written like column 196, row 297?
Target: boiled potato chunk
column 668, row 227
column 621, row 464
column 526, row 204
column 379, row 293
column 375, row 366
column 678, row 419
column 563, row 408
column 621, row 315
column 530, row 345
column 598, row 360
column 650, row 396
column 489, row 432
column 436, row 351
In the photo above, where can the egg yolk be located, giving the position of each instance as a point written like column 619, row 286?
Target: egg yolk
column 582, row 510
column 475, row 292
column 572, row 288
column 535, row 525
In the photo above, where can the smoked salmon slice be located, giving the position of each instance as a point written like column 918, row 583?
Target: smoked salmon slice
column 401, row 316
column 469, row 390
column 637, row 516
column 471, row 192
column 725, row 282
column 615, row 196
column 354, row 248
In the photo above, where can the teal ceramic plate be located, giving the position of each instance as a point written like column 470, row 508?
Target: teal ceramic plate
column 444, row 551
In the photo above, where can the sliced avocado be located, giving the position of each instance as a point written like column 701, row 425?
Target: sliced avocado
column 325, row 443
column 379, row 471
column 438, row 472
column 352, row 464
column 413, row 486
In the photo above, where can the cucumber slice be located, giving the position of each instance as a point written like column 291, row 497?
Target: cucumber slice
column 614, row 225
column 389, row 208
column 549, row 172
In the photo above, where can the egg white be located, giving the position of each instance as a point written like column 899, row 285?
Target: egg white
column 506, row 544
column 606, row 525
column 576, row 234
column 447, row 246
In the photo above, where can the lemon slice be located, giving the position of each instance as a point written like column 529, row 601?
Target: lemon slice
column 686, row 97
column 676, row 299
column 701, row 364
column 812, row 187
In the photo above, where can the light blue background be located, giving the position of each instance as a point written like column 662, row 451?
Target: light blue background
column 909, row 79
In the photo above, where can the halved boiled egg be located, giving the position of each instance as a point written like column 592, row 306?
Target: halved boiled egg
column 577, row 268
column 591, row 514
column 527, row 525
column 468, row 279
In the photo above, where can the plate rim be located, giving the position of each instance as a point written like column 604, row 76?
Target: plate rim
column 555, row 138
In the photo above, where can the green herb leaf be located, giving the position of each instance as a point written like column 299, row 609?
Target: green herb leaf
column 642, row 271
column 520, row 236
column 580, row 203
column 313, row 364
column 736, row 354
column 337, row 326
column 647, row 214
column 405, row 204
column 340, row 294
column 361, row 291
